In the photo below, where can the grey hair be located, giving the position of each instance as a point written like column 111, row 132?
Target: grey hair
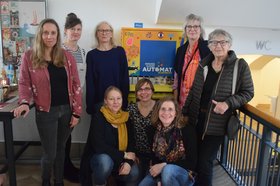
column 112, row 41
column 220, row 32
column 193, row 17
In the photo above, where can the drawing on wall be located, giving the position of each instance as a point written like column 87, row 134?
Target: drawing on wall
column 19, row 22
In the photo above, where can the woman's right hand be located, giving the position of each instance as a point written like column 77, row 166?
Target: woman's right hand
column 21, row 110
column 130, row 155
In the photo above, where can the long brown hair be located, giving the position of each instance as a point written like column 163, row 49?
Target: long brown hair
column 179, row 121
column 38, row 52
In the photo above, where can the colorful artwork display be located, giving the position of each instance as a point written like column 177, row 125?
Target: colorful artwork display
column 151, row 53
column 19, row 21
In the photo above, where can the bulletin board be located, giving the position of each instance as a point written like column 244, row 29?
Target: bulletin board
column 151, row 54
column 19, row 22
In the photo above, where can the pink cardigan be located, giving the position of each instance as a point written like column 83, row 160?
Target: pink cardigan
column 34, row 83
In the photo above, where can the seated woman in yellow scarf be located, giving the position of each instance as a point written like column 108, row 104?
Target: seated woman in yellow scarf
column 109, row 148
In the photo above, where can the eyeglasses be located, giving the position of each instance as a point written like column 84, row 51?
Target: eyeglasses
column 146, row 89
column 167, row 110
column 195, row 27
column 105, row 31
column 215, row 43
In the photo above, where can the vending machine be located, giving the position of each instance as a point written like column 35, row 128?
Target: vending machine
column 151, row 54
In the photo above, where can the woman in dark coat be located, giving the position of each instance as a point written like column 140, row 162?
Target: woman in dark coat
column 210, row 101
column 109, row 148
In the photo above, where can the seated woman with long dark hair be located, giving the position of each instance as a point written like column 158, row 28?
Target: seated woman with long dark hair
column 174, row 147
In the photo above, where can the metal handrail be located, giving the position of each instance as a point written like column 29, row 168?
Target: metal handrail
column 253, row 158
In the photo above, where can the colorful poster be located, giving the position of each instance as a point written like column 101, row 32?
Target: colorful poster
column 5, row 21
column 19, row 22
column 157, row 58
column 5, row 8
column 151, row 52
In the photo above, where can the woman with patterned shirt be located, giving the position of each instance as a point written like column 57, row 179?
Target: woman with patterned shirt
column 140, row 116
column 174, row 147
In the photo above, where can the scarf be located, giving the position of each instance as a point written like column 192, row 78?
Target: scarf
column 118, row 120
column 191, row 57
column 168, row 144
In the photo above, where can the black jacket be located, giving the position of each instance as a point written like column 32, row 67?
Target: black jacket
column 216, row 123
column 103, row 138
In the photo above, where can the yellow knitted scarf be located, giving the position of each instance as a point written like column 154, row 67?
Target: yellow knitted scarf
column 118, row 120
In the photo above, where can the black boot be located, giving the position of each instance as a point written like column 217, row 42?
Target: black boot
column 59, row 184
column 71, row 173
column 46, row 183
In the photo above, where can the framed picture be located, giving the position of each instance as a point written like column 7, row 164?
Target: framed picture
column 19, row 22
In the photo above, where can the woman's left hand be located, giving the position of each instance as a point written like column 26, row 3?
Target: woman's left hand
column 156, row 169
column 74, row 121
column 124, row 169
column 220, row 107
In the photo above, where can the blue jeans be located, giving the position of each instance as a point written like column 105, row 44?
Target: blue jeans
column 102, row 166
column 170, row 175
column 54, row 130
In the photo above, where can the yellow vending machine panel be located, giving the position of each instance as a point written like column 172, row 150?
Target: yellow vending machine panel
column 151, row 54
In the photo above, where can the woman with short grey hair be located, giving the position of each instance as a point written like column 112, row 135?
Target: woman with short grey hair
column 210, row 101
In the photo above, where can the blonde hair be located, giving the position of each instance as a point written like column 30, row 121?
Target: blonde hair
column 112, row 41
column 38, row 52
column 109, row 89
column 193, row 17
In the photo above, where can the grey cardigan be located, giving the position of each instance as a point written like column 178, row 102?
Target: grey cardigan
column 215, row 124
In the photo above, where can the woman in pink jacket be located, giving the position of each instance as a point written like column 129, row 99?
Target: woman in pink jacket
column 49, row 78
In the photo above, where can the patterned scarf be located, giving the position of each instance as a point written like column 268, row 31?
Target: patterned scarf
column 168, row 144
column 118, row 120
column 187, row 80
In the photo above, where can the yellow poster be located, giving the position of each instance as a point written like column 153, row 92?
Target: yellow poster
column 151, row 52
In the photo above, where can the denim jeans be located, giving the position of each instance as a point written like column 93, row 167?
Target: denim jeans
column 102, row 166
column 54, row 130
column 171, row 175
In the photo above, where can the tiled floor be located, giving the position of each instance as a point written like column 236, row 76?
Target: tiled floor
column 29, row 175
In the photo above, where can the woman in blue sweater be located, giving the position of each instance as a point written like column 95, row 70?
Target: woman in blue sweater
column 106, row 66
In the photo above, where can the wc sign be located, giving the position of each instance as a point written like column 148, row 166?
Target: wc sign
column 263, row 45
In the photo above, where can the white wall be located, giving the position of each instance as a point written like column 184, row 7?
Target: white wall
column 120, row 13
column 124, row 13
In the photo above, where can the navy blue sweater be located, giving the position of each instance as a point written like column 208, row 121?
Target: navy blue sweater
column 105, row 68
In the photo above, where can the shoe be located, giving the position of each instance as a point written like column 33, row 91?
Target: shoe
column 58, row 183
column 46, row 183
column 72, row 174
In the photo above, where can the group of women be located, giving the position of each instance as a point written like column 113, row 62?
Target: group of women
column 172, row 141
